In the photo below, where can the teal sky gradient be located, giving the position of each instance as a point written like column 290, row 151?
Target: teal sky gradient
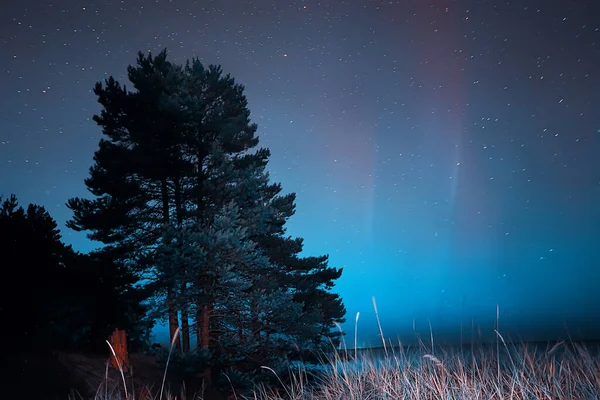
column 445, row 154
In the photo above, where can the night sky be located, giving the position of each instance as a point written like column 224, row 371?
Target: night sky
column 446, row 154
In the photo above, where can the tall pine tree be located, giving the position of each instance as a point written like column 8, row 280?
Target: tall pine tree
column 134, row 167
column 184, row 201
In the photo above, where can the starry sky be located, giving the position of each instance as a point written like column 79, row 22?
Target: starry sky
column 444, row 153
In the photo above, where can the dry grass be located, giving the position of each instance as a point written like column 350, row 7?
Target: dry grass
column 565, row 370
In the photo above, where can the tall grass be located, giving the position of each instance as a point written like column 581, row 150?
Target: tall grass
column 564, row 370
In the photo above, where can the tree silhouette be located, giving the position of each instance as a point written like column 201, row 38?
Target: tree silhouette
column 52, row 298
column 33, row 262
column 151, row 170
column 177, row 163
column 66, row 300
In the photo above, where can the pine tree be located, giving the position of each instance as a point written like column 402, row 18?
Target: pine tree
column 134, row 167
column 240, row 324
column 288, row 305
column 214, row 112
column 73, row 301
column 183, row 198
column 52, row 298
column 32, row 254
column 309, row 278
column 151, row 169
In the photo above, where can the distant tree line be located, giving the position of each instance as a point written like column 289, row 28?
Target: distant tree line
column 185, row 207
column 55, row 299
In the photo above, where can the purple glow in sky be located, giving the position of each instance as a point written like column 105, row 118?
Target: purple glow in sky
column 445, row 153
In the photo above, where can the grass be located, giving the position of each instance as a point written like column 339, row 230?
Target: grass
column 564, row 370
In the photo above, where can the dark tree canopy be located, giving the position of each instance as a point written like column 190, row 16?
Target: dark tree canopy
column 53, row 298
column 182, row 199
column 65, row 300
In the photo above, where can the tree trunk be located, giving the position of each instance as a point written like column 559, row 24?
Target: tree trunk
column 204, row 327
column 171, row 295
column 204, row 312
column 185, row 330
column 185, row 325
column 203, row 319
column 173, row 322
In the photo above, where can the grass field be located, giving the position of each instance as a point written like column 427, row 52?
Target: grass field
column 503, row 370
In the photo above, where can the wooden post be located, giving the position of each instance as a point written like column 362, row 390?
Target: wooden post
column 118, row 340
